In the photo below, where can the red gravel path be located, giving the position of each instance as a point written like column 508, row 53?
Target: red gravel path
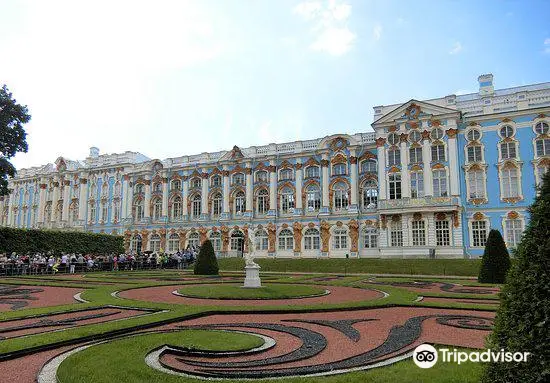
column 337, row 294
column 459, row 300
column 50, row 296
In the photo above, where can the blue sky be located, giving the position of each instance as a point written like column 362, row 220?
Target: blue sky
column 171, row 78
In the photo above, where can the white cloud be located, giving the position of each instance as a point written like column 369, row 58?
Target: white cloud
column 547, row 45
column 329, row 28
column 377, row 32
column 457, row 48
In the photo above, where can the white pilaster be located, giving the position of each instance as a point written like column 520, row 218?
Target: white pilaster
column 164, row 197
column 82, row 200
column 381, row 151
column 249, row 191
column 225, row 214
column 453, row 161
column 10, row 208
column 325, row 184
column 204, row 196
column 299, row 180
column 272, row 189
column 66, row 200
column 41, row 201
column 55, row 198
column 185, row 195
column 147, row 202
column 426, row 158
column 125, row 198
column 353, row 208
column 405, row 178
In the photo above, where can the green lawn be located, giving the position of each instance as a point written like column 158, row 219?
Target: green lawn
column 458, row 267
column 227, row 291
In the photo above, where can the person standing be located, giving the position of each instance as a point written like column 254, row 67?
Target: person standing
column 72, row 262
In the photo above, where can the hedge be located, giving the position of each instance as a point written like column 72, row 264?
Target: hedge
column 23, row 241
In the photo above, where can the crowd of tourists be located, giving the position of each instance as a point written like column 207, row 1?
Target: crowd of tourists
column 50, row 263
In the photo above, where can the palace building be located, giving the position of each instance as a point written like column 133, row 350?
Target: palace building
column 430, row 180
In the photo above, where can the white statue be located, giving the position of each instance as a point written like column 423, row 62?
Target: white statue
column 249, row 257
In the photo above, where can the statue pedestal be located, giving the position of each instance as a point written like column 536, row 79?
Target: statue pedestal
column 252, row 279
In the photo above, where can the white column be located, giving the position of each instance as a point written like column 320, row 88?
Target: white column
column 41, row 201
column 453, row 162
column 354, row 187
column 405, row 178
column 55, row 198
column 299, row 180
column 249, row 191
column 405, row 228
column 185, row 194
column 325, row 184
column 381, row 151
column 82, row 200
column 124, row 195
column 426, row 159
column 66, row 200
column 204, row 196
column 2, row 211
column 147, row 202
column 272, row 188
column 10, row 208
column 165, row 197
column 225, row 214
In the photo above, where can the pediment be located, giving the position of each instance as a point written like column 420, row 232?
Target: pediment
column 233, row 154
column 413, row 110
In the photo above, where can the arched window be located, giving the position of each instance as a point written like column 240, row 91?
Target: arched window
column 175, row 185
column 215, row 181
column 157, row 208
column 369, row 166
column 238, row 179
column 313, row 198
column 93, row 190
column 476, row 184
column 506, row 131
column 543, row 147
column 263, row 201
column 92, row 211
column 393, row 139
column 437, row 134
column 157, row 187
column 261, row 240
column 154, row 243
column 341, row 201
column 104, row 211
column 286, row 174
column 135, row 243
column 216, row 239
column 369, row 194
column 370, row 238
column 440, row 183
column 138, row 189
column 73, row 213
column 394, row 157
column 417, row 184
column 510, row 183
column 74, row 191
column 196, row 206
column 177, row 207
column 137, row 210
column 340, row 239
column 542, row 128
column 196, row 182
column 312, row 172
column 261, row 176
column 473, row 135
column 287, row 200
column 105, row 188
column 286, row 240
column 240, row 203
column 438, row 153
column 237, row 240
column 339, row 169
column 173, row 243
column 217, row 202
column 193, row 240
column 116, row 211
column 312, row 240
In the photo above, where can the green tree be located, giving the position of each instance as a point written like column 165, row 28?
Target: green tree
column 522, row 323
column 13, row 138
column 206, row 263
column 495, row 262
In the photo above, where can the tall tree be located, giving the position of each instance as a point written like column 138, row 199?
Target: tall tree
column 495, row 261
column 522, row 323
column 13, row 138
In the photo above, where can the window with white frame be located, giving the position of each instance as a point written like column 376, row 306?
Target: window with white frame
column 157, row 208
column 479, row 233
column 438, row 153
column 216, row 181
column 116, row 211
column 393, row 138
column 175, row 185
column 286, row 174
column 104, row 189
column 437, row 134
column 193, row 240
column 415, row 136
column 154, row 243
column 508, row 150
column 104, row 211
column 506, row 131
column 118, row 188
column 138, row 189
column 543, row 147
column 541, row 171
column 473, row 135
column 217, row 204
column 216, row 239
column 340, row 239
column 369, row 198
column 476, row 184
column 157, row 187
column 514, row 230
column 135, row 243
column 440, row 183
column 542, row 127
column 237, row 241
column 287, row 200
column 474, row 153
column 395, row 185
column 417, row 184
column 369, row 166
column 339, row 169
column 238, row 179
column 196, row 183
column 312, row 240
column 196, row 206
column 173, row 243
column 263, row 201
column 313, row 198
column 370, row 238
column 312, row 172
column 396, row 234
column 177, row 208
column 415, row 155
column 286, row 240
column 261, row 240
column 394, row 157
column 138, row 210
column 442, row 233
column 74, row 212
column 418, row 233
column 261, row 176
column 510, row 183
column 240, row 203
column 341, row 201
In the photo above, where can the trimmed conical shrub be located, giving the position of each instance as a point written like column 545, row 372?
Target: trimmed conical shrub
column 496, row 260
column 522, row 323
column 206, row 263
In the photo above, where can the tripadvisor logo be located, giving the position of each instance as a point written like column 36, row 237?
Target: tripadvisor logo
column 426, row 356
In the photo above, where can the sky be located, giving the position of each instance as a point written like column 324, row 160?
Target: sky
column 173, row 78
